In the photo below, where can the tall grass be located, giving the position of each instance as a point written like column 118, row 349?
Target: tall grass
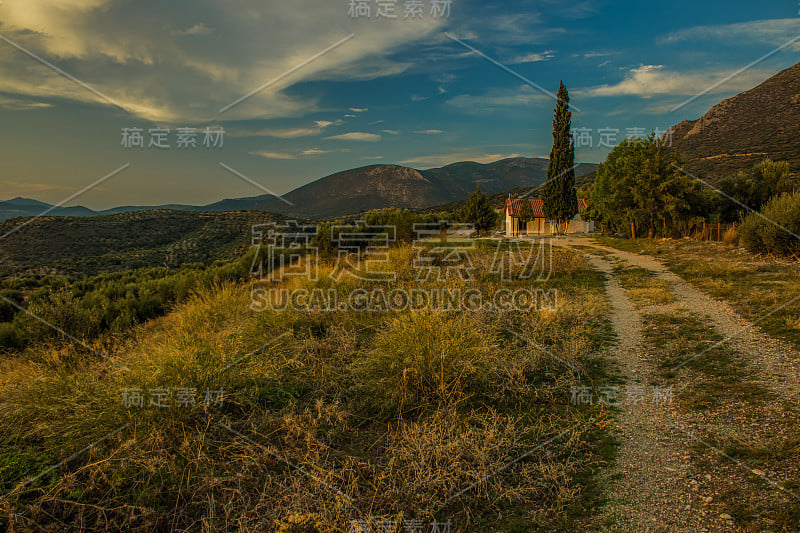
column 397, row 411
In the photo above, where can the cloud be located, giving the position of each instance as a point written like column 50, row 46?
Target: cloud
column 440, row 160
column 288, row 133
column 317, row 151
column 391, row 132
column 522, row 96
column 533, row 58
column 358, row 110
column 773, row 32
column 19, row 104
column 371, row 158
column 512, row 28
column 110, row 46
column 197, row 29
column 356, row 136
column 308, row 152
column 596, row 53
column 651, row 80
column 273, row 155
column 428, row 132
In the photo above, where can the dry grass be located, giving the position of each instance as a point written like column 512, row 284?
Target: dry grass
column 397, row 411
column 643, row 288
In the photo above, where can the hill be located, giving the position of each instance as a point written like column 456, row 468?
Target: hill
column 86, row 246
column 743, row 130
column 381, row 186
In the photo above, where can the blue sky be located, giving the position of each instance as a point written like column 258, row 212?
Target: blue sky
column 399, row 91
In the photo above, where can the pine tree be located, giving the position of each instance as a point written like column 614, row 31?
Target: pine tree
column 479, row 212
column 559, row 196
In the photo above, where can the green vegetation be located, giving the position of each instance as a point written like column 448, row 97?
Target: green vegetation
column 478, row 212
column 753, row 189
column 559, row 196
column 525, row 214
column 88, row 246
column 776, row 229
column 640, row 187
column 100, row 306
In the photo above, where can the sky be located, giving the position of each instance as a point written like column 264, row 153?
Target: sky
column 306, row 88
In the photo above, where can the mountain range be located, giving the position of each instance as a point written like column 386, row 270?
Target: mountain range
column 350, row 192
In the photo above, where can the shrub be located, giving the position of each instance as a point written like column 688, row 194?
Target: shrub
column 731, row 236
column 772, row 231
column 428, row 359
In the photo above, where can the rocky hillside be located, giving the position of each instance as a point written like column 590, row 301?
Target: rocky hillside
column 743, row 130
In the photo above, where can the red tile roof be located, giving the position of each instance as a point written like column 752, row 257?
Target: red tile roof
column 513, row 205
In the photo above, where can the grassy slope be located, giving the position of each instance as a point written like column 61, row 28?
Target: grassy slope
column 329, row 397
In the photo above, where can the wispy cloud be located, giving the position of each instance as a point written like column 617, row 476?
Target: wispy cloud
column 273, row 155
column 287, row 133
column 197, row 29
column 164, row 79
column 534, row 57
column 428, row 132
column 772, row 32
column 18, row 104
column 521, row 96
column 651, row 80
column 440, row 160
column 356, row 136
column 318, row 151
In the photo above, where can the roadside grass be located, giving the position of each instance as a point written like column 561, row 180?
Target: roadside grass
column 689, row 351
column 644, row 288
column 324, row 417
column 762, row 289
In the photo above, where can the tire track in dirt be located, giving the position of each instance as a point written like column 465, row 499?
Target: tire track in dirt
column 658, row 484
column 649, row 480
column 776, row 363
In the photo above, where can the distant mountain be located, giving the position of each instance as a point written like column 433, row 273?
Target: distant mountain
column 381, row 186
column 352, row 191
column 25, row 207
column 743, row 130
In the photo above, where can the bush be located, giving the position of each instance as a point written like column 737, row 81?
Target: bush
column 772, row 231
column 731, row 236
column 10, row 337
column 424, row 359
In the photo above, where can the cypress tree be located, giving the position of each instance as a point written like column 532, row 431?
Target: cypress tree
column 559, row 195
